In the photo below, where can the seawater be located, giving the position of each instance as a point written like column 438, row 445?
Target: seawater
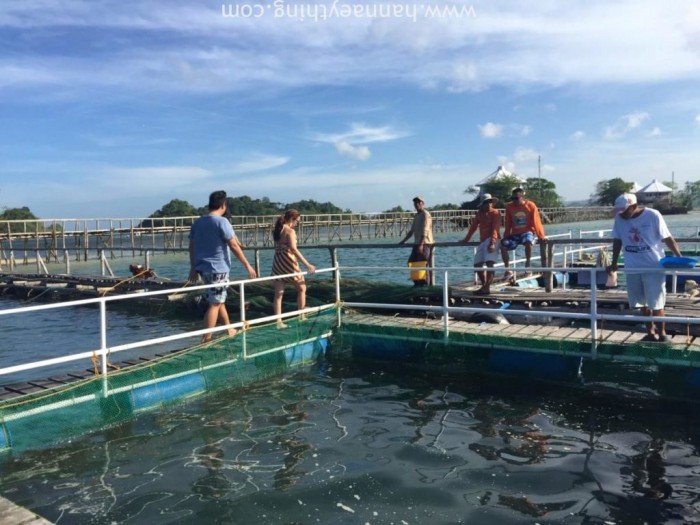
column 370, row 443
column 353, row 442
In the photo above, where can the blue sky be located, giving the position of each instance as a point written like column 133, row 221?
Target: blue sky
column 112, row 108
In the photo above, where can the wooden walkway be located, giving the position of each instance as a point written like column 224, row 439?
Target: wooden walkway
column 613, row 344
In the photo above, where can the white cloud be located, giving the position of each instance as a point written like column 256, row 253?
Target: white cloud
column 505, row 44
column 259, row 163
column 656, row 132
column 578, row 135
column 624, row 125
column 355, row 152
column 491, row 130
column 346, row 143
column 525, row 154
column 697, row 119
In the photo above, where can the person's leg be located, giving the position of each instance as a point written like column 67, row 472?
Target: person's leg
column 528, row 253
column 223, row 317
column 301, row 297
column 489, row 275
column 650, row 325
column 210, row 317
column 277, row 303
column 505, row 257
column 655, row 294
column 480, row 274
column 662, row 325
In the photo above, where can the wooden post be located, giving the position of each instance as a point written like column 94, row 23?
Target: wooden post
column 257, row 261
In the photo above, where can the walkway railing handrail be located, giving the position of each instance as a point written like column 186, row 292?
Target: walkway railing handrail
column 445, row 309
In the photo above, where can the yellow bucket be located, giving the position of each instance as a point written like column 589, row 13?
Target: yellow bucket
column 418, row 275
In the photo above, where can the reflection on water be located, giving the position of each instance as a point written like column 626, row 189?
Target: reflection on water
column 359, row 443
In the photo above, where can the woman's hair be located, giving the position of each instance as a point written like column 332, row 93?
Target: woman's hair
column 287, row 216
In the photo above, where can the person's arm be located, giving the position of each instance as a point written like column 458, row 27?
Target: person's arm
column 293, row 247
column 537, row 223
column 408, row 235
column 673, row 246
column 238, row 252
column 472, row 228
column 617, row 246
column 427, row 227
column 495, row 228
column 193, row 276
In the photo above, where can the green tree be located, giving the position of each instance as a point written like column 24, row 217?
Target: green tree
column 500, row 188
column 447, row 206
column 606, row 191
column 395, row 209
column 311, row 207
column 175, row 208
column 245, row 205
column 20, row 214
column 543, row 193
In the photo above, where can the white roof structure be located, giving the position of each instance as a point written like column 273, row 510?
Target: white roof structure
column 655, row 187
column 500, row 172
column 635, row 187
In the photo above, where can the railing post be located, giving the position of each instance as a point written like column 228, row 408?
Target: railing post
column 256, row 256
column 594, row 313
column 147, row 260
column 334, row 257
column 446, row 306
column 336, row 276
column 103, row 336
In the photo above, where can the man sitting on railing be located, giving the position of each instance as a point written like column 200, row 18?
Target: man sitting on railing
column 521, row 225
column 642, row 233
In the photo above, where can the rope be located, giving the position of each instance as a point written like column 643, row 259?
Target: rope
column 136, row 276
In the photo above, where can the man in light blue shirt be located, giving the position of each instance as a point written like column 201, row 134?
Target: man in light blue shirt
column 211, row 236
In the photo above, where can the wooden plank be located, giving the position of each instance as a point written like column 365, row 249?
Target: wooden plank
column 23, row 388
column 580, row 334
column 561, row 333
column 544, row 331
column 618, row 336
column 45, row 383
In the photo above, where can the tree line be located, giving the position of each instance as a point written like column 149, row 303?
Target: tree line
column 538, row 189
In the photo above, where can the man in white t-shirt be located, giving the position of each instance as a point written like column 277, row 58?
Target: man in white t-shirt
column 642, row 233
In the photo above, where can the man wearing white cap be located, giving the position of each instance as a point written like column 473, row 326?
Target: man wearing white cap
column 642, row 232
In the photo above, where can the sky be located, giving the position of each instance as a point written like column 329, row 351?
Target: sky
column 110, row 109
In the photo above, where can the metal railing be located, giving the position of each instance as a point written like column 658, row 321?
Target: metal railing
column 445, row 309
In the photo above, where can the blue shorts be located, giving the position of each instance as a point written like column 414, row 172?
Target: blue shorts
column 216, row 295
column 513, row 241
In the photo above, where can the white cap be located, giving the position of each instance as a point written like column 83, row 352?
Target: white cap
column 623, row 202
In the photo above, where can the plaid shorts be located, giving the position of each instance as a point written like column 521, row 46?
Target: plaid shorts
column 515, row 240
column 216, row 295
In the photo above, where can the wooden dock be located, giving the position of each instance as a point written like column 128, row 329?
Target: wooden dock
column 21, row 241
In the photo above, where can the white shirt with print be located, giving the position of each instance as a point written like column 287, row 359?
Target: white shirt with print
column 642, row 238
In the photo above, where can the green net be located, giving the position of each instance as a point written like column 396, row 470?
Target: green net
column 57, row 414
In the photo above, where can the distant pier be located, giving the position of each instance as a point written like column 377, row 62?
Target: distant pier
column 24, row 242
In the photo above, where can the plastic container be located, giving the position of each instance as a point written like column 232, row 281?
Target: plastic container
column 678, row 262
column 418, row 274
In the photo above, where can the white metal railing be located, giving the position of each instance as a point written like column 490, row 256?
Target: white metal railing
column 593, row 316
column 105, row 350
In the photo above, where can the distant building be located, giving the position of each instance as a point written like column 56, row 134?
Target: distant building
column 499, row 173
column 652, row 192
